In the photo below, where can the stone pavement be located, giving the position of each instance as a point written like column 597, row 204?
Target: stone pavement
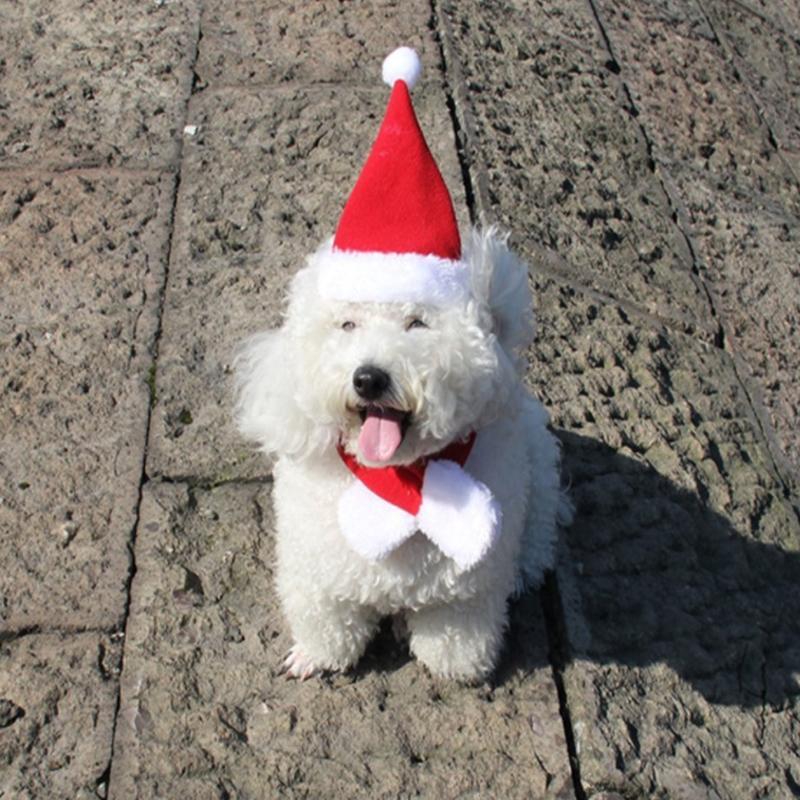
column 165, row 166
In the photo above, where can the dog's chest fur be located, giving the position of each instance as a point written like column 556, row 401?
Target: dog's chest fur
column 416, row 574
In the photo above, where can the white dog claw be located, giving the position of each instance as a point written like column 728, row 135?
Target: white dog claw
column 298, row 665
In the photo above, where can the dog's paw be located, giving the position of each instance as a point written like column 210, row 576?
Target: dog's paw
column 298, row 665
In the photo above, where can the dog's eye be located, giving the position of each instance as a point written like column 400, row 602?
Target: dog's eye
column 348, row 325
column 416, row 322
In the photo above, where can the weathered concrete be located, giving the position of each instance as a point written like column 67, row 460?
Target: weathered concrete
column 94, row 84
column 738, row 195
column 767, row 56
column 633, row 163
column 83, row 258
column 204, row 711
column 645, row 155
column 783, row 14
column 58, row 697
column 269, row 42
column 263, row 184
column 678, row 579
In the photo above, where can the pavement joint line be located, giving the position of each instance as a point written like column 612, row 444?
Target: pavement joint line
column 162, row 289
column 681, row 222
column 434, row 24
column 558, row 652
column 87, row 170
column 464, row 126
column 205, row 483
column 196, row 82
column 614, row 66
column 557, row 268
column 781, row 466
column 131, row 543
column 733, row 59
column 214, row 87
column 15, row 634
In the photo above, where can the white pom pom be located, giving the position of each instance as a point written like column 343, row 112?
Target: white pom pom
column 402, row 65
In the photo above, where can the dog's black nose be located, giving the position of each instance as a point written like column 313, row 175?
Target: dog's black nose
column 370, row 382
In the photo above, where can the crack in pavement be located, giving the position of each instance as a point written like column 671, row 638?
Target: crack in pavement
column 131, row 544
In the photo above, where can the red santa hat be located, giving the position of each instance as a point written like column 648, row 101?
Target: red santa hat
column 397, row 239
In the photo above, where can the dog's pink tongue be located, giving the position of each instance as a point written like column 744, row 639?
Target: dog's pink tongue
column 381, row 434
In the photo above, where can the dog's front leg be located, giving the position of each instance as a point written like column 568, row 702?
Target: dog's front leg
column 329, row 634
column 459, row 639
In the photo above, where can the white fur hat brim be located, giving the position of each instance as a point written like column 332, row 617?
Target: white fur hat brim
column 392, row 278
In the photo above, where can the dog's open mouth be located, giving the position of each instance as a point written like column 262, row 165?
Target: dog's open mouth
column 382, row 431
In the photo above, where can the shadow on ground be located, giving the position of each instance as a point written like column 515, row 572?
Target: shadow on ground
column 655, row 576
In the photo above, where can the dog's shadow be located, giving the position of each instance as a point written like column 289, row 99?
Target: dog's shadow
column 651, row 575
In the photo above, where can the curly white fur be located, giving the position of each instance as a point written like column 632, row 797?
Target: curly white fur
column 460, row 373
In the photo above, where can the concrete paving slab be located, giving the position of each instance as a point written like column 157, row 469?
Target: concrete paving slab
column 758, row 294
column 782, row 13
column 727, row 174
column 694, row 108
column 193, row 415
column 204, row 712
column 558, row 159
column 263, row 184
column 678, row 579
column 265, row 42
column 77, row 247
column 567, row 21
column 281, row 162
column 768, row 60
column 94, row 84
column 82, row 259
column 58, row 696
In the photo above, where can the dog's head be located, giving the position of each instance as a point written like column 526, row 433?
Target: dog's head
column 391, row 382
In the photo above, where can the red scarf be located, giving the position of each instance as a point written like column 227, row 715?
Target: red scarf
column 402, row 486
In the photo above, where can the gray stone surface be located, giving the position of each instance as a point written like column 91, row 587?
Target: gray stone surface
column 81, row 262
column 204, row 711
column 268, row 41
column 89, row 84
column 557, row 160
column 768, row 59
column 645, row 155
column 784, row 14
column 263, row 184
column 58, row 696
column 741, row 201
column 679, row 577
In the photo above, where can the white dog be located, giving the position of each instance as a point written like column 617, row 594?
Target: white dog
column 448, row 372
column 414, row 474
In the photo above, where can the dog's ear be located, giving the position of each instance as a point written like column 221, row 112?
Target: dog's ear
column 266, row 411
column 500, row 281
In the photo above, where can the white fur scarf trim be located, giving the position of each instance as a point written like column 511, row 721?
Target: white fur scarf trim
column 458, row 514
